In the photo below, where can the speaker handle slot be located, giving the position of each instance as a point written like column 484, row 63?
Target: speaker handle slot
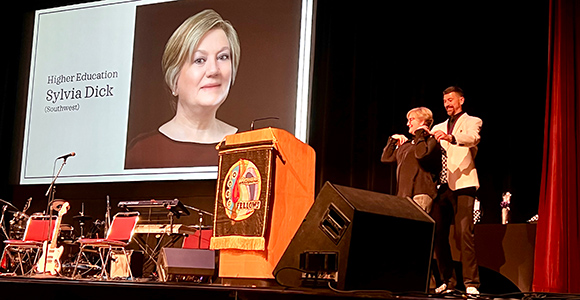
column 334, row 223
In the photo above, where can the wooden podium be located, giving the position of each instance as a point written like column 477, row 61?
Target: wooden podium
column 265, row 188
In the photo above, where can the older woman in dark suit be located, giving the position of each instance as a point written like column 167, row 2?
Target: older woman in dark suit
column 418, row 159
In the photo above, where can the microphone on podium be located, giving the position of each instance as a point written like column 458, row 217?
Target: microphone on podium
column 66, row 155
column 262, row 119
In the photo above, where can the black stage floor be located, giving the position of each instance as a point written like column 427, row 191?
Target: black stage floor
column 48, row 288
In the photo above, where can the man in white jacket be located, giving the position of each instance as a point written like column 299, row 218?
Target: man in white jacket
column 459, row 137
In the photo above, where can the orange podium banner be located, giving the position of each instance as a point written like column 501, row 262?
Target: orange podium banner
column 265, row 188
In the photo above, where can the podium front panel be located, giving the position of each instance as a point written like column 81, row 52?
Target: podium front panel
column 243, row 198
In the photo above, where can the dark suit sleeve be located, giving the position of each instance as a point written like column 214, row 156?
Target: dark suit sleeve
column 427, row 151
column 390, row 151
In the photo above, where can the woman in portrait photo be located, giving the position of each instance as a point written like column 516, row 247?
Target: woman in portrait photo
column 199, row 63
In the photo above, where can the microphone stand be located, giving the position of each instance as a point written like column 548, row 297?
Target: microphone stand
column 107, row 216
column 201, row 212
column 2, row 221
column 51, row 188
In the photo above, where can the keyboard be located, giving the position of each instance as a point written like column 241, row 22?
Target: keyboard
column 173, row 205
column 165, row 229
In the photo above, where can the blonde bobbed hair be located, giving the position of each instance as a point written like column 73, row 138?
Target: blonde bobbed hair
column 422, row 113
column 183, row 42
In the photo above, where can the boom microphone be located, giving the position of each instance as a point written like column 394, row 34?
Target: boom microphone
column 66, row 155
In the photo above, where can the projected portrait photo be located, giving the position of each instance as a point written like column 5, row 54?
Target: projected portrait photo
column 217, row 71
column 199, row 64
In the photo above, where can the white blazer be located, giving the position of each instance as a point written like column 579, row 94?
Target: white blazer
column 461, row 171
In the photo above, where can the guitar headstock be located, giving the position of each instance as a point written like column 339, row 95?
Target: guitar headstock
column 63, row 209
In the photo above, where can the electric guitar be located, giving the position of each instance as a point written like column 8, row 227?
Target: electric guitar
column 49, row 261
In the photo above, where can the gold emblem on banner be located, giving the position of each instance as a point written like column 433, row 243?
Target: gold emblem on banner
column 241, row 190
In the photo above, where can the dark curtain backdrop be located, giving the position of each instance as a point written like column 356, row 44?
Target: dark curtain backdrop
column 557, row 260
column 378, row 59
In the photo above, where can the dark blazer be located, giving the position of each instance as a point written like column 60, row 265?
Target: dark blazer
column 418, row 164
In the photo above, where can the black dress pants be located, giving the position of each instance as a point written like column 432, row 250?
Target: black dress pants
column 455, row 207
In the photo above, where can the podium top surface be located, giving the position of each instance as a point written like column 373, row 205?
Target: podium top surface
column 267, row 135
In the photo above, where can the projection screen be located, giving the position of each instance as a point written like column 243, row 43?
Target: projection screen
column 96, row 83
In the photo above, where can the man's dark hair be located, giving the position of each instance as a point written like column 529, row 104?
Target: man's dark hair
column 453, row 88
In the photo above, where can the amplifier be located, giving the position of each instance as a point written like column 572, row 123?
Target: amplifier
column 196, row 265
column 119, row 264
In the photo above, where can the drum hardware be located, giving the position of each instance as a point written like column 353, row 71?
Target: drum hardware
column 8, row 204
column 82, row 218
column 66, row 233
column 17, row 223
column 200, row 226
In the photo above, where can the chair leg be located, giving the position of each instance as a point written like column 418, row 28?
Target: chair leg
column 23, row 258
column 103, row 264
column 20, row 259
column 33, row 257
column 84, row 257
column 4, row 260
column 105, row 261
column 77, row 260
column 11, row 263
column 128, row 263
column 30, row 259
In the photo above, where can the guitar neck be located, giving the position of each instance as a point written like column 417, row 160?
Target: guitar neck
column 56, row 229
column 55, row 232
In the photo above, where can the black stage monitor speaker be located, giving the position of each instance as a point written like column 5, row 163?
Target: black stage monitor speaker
column 360, row 240
column 179, row 264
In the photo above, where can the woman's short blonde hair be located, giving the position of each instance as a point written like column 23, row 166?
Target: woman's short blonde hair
column 183, row 42
column 422, row 113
